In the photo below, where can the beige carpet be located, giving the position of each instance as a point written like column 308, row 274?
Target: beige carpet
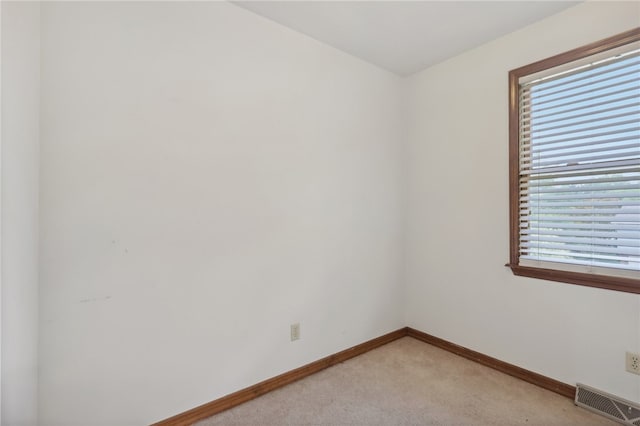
column 408, row 382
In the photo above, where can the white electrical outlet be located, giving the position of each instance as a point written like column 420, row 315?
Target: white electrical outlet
column 295, row 331
column 633, row 363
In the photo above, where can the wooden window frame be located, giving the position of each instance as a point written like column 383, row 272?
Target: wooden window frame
column 630, row 285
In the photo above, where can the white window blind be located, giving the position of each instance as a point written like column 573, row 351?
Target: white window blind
column 579, row 171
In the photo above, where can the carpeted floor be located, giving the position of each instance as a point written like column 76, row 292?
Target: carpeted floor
column 408, row 382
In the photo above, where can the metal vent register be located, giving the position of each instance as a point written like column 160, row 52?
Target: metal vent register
column 613, row 407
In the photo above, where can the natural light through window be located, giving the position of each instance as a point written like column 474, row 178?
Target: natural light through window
column 578, row 167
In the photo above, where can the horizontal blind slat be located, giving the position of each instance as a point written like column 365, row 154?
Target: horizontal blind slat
column 626, row 60
column 540, row 182
column 620, row 148
column 559, row 108
column 629, row 265
column 586, row 202
column 622, row 155
column 630, row 219
column 526, row 149
column 606, row 75
column 592, row 233
column 611, row 227
column 583, row 255
column 587, row 131
column 628, row 111
column 542, row 123
column 611, row 166
column 625, row 97
column 632, row 128
column 618, row 85
column 587, row 249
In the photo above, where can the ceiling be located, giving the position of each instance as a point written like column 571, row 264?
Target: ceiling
column 405, row 36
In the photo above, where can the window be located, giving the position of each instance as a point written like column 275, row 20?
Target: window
column 574, row 130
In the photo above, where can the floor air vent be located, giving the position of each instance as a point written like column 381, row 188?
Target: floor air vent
column 621, row 410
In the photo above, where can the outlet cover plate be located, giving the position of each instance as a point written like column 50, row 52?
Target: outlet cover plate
column 633, row 363
column 295, row 331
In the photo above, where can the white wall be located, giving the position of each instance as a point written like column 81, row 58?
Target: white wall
column 208, row 178
column 20, row 134
column 457, row 219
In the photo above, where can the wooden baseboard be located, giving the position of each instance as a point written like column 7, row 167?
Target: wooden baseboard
column 219, row 405
column 247, row 394
column 504, row 367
